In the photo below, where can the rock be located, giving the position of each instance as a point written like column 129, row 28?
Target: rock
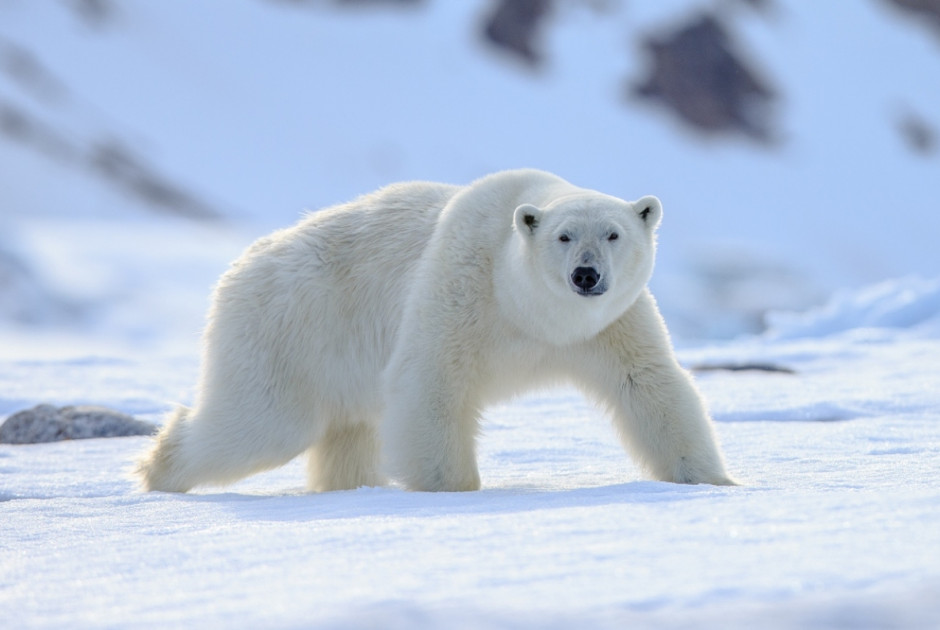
column 695, row 72
column 927, row 11
column 919, row 134
column 514, row 27
column 47, row 423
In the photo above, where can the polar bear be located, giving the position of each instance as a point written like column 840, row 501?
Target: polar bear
column 373, row 334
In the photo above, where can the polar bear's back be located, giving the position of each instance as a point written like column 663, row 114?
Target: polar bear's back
column 320, row 303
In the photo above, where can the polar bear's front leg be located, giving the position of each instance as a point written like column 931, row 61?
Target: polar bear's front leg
column 429, row 430
column 656, row 407
column 662, row 420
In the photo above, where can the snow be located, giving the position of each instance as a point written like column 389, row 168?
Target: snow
column 834, row 524
column 902, row 303
column 816, row 258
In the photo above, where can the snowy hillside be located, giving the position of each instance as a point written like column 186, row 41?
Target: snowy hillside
column 129, row 118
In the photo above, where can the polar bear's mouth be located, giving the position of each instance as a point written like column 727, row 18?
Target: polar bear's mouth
column 591, row 292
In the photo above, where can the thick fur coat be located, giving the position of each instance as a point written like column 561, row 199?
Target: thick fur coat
column 373, row 334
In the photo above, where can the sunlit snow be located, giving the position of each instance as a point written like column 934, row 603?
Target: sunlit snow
column 817, row 259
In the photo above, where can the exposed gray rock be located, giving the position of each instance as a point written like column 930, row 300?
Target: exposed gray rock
column 695, row 71
column 927, row 11
column 94, row 13
column 918, row 133
column 128, row 171
column 514, row 26
column 48, row 423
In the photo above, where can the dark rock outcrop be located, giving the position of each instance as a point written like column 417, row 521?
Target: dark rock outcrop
column 695, row 72
column 926, row 10
column 47, row 423
column 514, row 26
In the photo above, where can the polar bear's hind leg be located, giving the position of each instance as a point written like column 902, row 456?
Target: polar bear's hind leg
column 197, row 448
column 345, row 458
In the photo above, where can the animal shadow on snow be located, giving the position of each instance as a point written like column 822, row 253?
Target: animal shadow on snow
column 389, row 502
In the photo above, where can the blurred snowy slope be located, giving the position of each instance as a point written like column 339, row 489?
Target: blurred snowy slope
column 256, row 110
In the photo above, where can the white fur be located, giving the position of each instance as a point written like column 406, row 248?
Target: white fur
column 396, row 318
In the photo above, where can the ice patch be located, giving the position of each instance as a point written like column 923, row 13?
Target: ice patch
column 811, row 412
column 905, row 303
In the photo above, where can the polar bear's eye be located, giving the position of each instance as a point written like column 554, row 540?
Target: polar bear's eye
column 564, row 238
column 613, row 236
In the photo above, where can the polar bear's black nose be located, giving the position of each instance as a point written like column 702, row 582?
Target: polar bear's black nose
column 585, row 278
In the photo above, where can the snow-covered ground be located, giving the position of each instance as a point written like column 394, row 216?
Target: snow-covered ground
column 835, row 525
column 262, row 109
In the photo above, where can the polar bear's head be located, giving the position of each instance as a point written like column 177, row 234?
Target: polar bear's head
column 590, row 254
column 590, row 244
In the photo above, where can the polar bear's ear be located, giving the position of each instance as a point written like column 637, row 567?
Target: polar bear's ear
column 650, row 210
column 526, row 219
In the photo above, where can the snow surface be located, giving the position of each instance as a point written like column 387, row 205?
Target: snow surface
column 834, row 525
column 825, row 244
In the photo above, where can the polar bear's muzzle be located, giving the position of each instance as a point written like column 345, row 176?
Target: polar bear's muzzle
column 587, row 281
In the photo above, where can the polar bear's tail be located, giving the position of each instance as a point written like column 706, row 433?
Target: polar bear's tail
column 162, row 468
